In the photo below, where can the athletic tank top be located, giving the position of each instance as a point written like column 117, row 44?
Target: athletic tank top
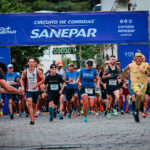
column 60, row 72
column 32, row 79
column 112, row 81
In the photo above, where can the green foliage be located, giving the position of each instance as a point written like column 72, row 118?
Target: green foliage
column 7, row 6
column 19, row 55
column 66, row 62
column 88, row 51
column 43, row 5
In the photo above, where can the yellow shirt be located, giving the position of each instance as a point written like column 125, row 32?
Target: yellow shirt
column 136, row 76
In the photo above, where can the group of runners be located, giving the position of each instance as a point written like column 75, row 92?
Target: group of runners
column 78, row 92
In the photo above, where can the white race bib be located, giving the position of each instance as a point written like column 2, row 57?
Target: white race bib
column 97, row 90
column 9, row 82
column 112, row 82
column 54, row 87
column 141, row 85
column 89, row 90
column 73, row 82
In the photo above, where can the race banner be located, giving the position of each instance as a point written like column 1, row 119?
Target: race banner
column 126, row 53
column 5, row 55
column 73, row 28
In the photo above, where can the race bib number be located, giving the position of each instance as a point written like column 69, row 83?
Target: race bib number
column 140, row 85
column 89, row 90
column 112, row 82
column 97, row 90
column 54, row 87
column 73, row 82
column 31, row 86
column 9, row 82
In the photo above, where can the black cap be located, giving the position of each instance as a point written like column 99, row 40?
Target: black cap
column 89, row 62
column 3, row 66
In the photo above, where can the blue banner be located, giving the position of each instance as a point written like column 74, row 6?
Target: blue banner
column 127, row 52
column 73, row 28
column 5, row 55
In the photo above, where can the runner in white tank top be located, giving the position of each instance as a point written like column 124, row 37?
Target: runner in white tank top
column 33, row 78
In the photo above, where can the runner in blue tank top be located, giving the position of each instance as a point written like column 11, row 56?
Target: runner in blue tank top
column 86, row 77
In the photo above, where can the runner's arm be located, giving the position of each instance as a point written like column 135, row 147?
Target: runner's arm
column 10, row 89
column 124, row 71
column 98, row 81
column 148, row 71
column 41, row 76
column 78, row 80
column 23, row 78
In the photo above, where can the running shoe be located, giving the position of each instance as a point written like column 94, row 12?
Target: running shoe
column 105, row 114
column 85, row 119
column 27, row 114
column 115, row 113
column 31, row 122
column 91, row 111
column 122, row 111
column 74, row 114
column 136, row 117
column 36, row 114
column 11, row 116
column 108, row 116
column 79, row 114
column 34, row 119
column 69, row 115
column 24, row 113
column 51, row 118
column 144, row 114
column 20, row 114
column 1, row 113
column 60, row 116
column 96, row 114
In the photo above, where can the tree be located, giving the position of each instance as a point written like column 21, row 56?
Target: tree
column 19, row 55
column 88, row 51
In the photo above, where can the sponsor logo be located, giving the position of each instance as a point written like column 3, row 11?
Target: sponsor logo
column 63, row 33
column 7, row 30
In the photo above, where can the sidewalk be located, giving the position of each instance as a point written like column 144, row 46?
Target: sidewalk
column 121, row 132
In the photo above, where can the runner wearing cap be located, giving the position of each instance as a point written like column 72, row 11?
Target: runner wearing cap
column 12, row 79
column 86, row 77
column 71, row 88
column 52, row 82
